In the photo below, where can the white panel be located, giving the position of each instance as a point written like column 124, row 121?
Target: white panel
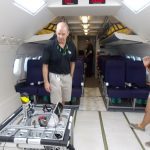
column 7, row 79
column 109, row 8
column 139, row 23
column 9, row 99
column 140, row 4
column 32, row 7
column 8, row 106
column 87, row 131
column 21, row 25
column 119, row 136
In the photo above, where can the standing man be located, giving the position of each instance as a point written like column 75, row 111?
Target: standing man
column 89, row 59
column 58, row 65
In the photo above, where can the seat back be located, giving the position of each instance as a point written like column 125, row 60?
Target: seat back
column 115, row 72
column 135, row 73
column 34, row 72
column 102, row 62
column 78, row 74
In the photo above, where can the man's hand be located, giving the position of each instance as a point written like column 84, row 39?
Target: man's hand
column 47, row 86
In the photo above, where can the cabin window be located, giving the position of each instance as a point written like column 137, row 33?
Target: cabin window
column 30, row 6
column 136, row 6
column 34, row 58
column 128, row 57
column 138, row 58
column 133, row 58
column 25, row 63
column 39, row 57
column 17, row 67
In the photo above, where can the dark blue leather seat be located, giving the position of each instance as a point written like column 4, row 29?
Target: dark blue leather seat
column 34, row 80
column 77, row 82
column 115, row 77
column 136, row 78
column 30, row 85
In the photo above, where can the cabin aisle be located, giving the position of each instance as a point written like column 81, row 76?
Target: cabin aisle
column 99, row 129
column 92, row 99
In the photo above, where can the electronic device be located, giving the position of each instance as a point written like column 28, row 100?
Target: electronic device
column 58, row 109
column 58, row 136
column 96, row 1
column 69, row 2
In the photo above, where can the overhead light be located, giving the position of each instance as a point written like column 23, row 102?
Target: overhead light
column 30, row 6
column 85, row 30
column 84, row 19
column 85, row 26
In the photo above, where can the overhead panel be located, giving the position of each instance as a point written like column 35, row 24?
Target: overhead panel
column 99, row 9
column 42, row 39
column 122, row 39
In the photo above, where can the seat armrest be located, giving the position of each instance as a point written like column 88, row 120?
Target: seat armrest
column 106, row 83
column 82, row 84
column 21, row 81
column 21, row 84
column 128, row 84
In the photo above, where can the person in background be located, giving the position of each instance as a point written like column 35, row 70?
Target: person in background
column 59, row 58
column 89, row 59
column 146, row 120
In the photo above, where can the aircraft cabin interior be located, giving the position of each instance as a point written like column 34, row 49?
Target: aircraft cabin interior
column 109, row 91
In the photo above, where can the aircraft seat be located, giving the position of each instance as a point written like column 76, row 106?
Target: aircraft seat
column 136, row 78
column 77, row 83
column 33, row 78
column 115, row 81
column 115, row 72
column 33, row 85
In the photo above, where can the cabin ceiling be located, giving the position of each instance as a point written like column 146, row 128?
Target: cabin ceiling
column 95, row 24
column 96, row 14
column 20, row 25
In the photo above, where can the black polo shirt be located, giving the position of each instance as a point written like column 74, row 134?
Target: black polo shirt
column 57, row 58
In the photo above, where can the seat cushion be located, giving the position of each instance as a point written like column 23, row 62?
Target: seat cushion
column 119, row 92
column 30, row 89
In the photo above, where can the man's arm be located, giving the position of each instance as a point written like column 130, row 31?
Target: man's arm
column 45, row 77
column 72, row 67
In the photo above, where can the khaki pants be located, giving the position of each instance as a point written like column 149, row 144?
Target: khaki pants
column 61, row 87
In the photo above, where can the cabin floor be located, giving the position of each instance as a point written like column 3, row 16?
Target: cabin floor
column 99, row 129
